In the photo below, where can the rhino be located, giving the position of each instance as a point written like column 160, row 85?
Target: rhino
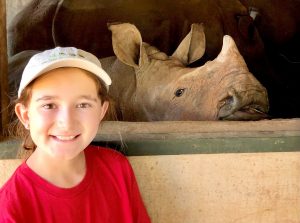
column 149, row 85
column 268, row 42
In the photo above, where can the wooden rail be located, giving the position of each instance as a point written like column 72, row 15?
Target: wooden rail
column 202, row 137
column 3, row 70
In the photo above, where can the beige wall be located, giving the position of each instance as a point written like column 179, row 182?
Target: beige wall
column 221, row 188
column 215, row 188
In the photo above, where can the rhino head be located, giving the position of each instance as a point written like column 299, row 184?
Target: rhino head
column 164, row 88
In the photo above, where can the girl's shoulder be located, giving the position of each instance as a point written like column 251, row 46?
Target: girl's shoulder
column 13, row 186
column 14, row 179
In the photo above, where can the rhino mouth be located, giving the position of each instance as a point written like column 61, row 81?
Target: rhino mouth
column 233, row 108
column 247, row 113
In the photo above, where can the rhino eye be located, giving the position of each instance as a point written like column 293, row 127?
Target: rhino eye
column 179, row 92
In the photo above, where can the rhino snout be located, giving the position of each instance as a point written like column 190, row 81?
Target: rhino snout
column 236, row 106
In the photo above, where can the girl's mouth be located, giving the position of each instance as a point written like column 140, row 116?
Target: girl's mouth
column 65, row 138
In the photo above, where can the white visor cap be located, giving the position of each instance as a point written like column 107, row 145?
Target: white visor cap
column 58, row 57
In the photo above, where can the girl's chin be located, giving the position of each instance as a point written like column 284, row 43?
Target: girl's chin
column 65, row 155
column 66, row 150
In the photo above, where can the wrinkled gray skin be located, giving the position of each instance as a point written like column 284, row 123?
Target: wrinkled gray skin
column 148, row 85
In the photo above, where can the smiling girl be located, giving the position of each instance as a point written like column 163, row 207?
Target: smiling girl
column 62, row 98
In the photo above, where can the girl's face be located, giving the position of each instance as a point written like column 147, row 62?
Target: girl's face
column 64, row 112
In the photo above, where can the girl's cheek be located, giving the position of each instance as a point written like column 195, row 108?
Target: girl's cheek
column 41, row 114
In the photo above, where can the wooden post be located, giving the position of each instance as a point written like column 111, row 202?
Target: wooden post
column 3, row 70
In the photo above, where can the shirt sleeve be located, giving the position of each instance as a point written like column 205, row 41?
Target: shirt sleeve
column 139, row 211
column 8, row 204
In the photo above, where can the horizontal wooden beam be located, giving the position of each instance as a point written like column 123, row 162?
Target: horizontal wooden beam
column 112, row 131
column 203, row 137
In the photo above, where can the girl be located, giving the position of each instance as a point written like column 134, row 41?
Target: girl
column 62, row 99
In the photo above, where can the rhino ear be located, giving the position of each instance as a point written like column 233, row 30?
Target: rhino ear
column 127, row 44
column 192, row 46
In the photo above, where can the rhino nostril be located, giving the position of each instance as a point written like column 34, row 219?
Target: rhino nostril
column 227, row 105
column 229, row 99
column 227, row 102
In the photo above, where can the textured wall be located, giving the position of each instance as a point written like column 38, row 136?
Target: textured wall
column 215, row 188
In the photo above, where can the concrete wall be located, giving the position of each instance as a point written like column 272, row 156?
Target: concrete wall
column 215, row 188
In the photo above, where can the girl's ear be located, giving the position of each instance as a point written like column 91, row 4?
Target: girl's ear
column 104, row 108
column 22, row 113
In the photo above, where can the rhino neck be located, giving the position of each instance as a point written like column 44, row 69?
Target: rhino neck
column 123, row 88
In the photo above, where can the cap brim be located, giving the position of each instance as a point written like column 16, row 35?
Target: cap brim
column 64, row 62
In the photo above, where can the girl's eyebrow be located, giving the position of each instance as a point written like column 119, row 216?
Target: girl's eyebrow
column 47, row 98
column 88, row 97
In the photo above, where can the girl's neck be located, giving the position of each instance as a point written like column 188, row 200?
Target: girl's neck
column 61, row 173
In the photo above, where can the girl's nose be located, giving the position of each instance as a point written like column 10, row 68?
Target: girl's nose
column 66, row 118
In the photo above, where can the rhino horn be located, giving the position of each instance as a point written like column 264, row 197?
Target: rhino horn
column 230, row 51
column 192, row 46
column 127, row 44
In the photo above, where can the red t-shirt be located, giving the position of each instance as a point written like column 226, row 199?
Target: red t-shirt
column 108, row 193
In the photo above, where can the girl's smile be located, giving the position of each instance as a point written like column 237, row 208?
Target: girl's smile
column 65, row 138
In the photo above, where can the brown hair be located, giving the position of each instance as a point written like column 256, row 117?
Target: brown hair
column 18, row 130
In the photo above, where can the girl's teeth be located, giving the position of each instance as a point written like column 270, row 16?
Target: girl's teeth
column 65, row 137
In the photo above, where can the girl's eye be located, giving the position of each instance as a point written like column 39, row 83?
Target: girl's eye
column 49, row 106
column 83, row 105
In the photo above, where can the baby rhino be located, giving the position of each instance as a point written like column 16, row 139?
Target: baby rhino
column 148, row 85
